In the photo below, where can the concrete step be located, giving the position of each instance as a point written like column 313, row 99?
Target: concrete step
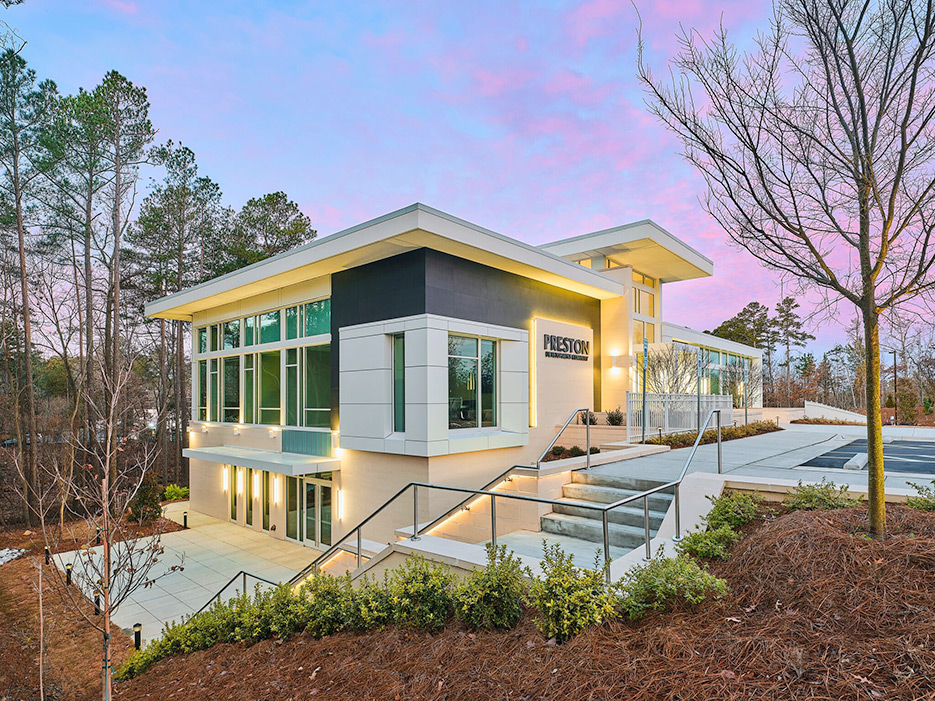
column 638, row 484
column 624, row 515
column 587, row 529
column 608, row 495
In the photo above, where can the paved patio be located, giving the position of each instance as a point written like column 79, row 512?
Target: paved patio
column 781, row 454
column 211, row 552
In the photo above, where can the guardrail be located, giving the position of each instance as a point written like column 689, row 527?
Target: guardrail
column 243, row 574
column 587, row 430
column 605, row 509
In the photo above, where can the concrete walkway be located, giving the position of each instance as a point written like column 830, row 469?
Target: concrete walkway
column 778, row 455
column 210, row 552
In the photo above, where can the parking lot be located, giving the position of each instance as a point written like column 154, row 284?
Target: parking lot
column 898, row 456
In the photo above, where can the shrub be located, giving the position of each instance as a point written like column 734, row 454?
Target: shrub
column 492, row 598
column 370, row 605
column 174, row 492
column 663, row 583
column 558, row 449
column 925, row 501
column 615, row 417
column 820, row 495
column 710, row 544
column 907, row 406
column 595, row 449
column 733, row 509
column 927, row 405
column 728, row 433
column 588, row 417
column 145, row 505
column 321, row 604
column 567, row 598
column 575, row 452
column 421, row 593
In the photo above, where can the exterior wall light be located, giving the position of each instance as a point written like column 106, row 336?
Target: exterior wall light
column 224, row 478
column 256, row 484
column 340, row 504
column 615, row 364
column 204, row 428
column 272, row 432
column 275, row 490
column 236, row 430
column 240, row 480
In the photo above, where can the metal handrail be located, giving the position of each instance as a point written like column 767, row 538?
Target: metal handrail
column 605, row 510
column 587, row 423
column 244, row 574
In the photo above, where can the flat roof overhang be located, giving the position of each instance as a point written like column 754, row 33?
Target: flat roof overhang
column 291, row 464
column 416, row 226
column 643, row 245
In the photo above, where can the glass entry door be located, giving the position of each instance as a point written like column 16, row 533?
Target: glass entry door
column 317, row 504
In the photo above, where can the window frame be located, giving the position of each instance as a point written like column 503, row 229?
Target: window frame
column 478, row 360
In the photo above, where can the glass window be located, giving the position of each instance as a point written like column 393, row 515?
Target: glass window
column 231, row 412
column 311, row 511
column 292, row 322
column 399, row 383
column 202, row 389
column 232, row 486
column 214, row 385
column 269, row 388
column 488, row 383
column 202, row 342
column 638, row 333
column 471, row 382
column 232, row 334
column 318, row 386
column 651, row 332
column 249, row 389
column 215, row 341
column 292, row 387
column 248, row 496
column 266, row 499
column 317, row 317
column 293, row 523
column 325, row 493
column 249, row 331
column 270, row 330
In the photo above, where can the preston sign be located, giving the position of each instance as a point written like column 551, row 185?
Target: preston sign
column 565, row 347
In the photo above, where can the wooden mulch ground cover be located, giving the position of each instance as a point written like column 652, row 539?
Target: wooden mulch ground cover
column 73, row 648
column 816, row 611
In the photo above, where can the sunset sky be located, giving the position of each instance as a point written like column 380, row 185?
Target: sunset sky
column 525, row 118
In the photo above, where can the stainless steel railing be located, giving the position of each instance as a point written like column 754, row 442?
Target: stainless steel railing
column 587, row 431
column 605, row 510
column 243, row 574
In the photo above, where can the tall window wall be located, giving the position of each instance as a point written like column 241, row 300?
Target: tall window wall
column 645, row 309
column 272, row 368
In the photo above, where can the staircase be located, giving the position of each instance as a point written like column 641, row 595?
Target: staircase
column 625, row 523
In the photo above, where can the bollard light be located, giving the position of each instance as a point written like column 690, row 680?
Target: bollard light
column 137, row 635
column 68, row 568
column 184, row 519
column 48, row 555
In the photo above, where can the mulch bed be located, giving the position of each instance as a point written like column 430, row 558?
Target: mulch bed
column 816, row 611
column 73, row 648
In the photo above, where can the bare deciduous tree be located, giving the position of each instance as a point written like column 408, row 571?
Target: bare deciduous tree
column 817, row 149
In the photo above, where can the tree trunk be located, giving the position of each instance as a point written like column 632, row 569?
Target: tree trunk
column 31, row 435
column 875, row 476
column 105, row 586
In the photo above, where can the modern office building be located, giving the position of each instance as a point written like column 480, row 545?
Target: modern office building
column 415, row 346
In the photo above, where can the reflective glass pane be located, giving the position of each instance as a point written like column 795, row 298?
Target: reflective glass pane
column 213, row 391
column 292, row 509
column 270, row 331
column 462, row 393
column 231, row 389
column 325, row 514
column 399, row 383
column 292, row 387
column 232, row 486
column 266, row 499
column 310, row 510
column 292, row 322
column 249, row 385
column 488, row 386
column 249, row 331
column 269, row 387
column 318, row 386
column 232, row 334
column 462, row 346
column 202, row 340
column 318, row 317
column 215, row 343
column 248, row 497
column 202, row 390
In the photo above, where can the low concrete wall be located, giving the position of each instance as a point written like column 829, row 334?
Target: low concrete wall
column 817, row 410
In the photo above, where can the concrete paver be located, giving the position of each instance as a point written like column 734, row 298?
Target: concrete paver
column 210, row 552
